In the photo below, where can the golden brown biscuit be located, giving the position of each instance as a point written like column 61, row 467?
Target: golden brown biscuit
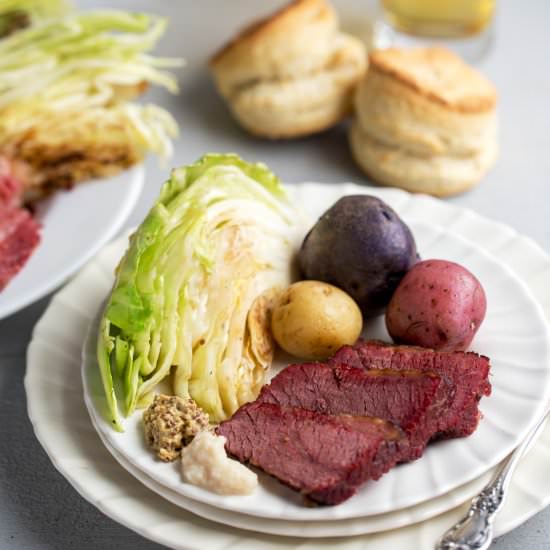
column 302, row 106
column 291, row 74
column 425, row 122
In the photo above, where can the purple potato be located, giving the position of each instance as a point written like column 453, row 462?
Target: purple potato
column 438, row 305
column 361, row 246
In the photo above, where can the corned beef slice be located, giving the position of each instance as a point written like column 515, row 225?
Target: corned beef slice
column 466, row 373
column 19, row 236
column 410, row 399
column 11, row 189
column 19, row 232
column 325, row 457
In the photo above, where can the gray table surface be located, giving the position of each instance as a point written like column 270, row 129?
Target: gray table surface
column 38, row 508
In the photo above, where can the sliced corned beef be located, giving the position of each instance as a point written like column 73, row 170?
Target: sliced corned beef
column 11, row 189
column 467, row 376
column 312, row 426
column 325, row 457
column 410, row 399
column 19, row 232
column 19, row 236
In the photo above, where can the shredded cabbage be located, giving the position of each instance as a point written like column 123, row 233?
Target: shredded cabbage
column 221, row 233
column 93, row 62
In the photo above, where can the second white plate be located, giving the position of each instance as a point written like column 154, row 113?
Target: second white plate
column 76, row 224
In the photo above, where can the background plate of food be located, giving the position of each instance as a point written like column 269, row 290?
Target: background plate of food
column 69, row 82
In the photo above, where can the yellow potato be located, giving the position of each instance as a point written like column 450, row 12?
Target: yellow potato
column 311, row 320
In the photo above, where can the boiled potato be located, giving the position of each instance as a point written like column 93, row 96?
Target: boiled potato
column 362, row 246
column 311, row 320
column 438, row 305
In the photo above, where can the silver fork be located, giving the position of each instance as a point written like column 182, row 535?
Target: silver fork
column 475, row 530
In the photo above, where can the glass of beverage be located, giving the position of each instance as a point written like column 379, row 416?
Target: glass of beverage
column 461, row 25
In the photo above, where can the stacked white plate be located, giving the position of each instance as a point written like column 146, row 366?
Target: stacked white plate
column 514, row 335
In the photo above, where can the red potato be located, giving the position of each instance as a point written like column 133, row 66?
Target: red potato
column 438, row 305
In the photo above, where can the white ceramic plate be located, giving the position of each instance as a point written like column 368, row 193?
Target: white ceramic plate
column 62, row 425
column 75, row 225
column 326, row 528
column 514, row 335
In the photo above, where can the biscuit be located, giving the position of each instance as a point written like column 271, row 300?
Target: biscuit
column 291, row 74
column 426, row 121
column 439, row 175
column 302, row 106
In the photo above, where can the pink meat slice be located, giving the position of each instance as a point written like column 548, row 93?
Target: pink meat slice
column 19, row 231
column 19, row 236
column 11, row 189
column 412, row 400
column 467, row 374
column 324, row 457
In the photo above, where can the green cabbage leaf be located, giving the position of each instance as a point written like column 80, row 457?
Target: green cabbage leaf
column 222, row 232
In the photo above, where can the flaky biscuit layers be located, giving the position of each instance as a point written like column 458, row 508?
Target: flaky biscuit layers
column 291, row 74
column 426, row 121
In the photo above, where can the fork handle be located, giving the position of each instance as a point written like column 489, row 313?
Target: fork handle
column 475, row 530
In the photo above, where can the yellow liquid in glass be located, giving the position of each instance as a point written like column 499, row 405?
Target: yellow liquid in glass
column 439, row 18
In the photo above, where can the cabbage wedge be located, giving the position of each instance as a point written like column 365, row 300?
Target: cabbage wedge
column 192, row 289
